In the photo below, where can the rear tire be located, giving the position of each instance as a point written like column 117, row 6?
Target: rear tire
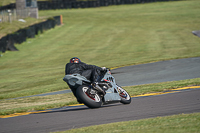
column 125, row 97
column 90, row 100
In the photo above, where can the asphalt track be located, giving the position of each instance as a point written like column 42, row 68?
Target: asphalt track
column 169, row 103
column 163, row 71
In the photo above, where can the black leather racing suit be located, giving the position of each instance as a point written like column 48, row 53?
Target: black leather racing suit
column 91, row 72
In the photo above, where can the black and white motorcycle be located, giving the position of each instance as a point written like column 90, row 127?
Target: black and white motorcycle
column 93, row 98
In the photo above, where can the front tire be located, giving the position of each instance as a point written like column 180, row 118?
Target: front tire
column 90, row 100
column 125, row 97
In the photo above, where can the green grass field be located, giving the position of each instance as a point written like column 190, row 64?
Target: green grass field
column 9, row 28
column 6, row 2
column 106, row 36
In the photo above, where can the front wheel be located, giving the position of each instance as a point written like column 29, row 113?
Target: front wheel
column 125, row 97
column 90, row 99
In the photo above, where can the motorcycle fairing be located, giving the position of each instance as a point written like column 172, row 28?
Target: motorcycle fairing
column 112, row 94
column 75, row 79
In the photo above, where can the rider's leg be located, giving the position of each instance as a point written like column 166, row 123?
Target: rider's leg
column 87, row 74
column 96, row 78
column 96, row 75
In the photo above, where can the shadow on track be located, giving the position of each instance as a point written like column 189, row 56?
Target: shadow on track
column 78, row 108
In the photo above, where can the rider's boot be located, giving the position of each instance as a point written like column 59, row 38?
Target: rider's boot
column 97, row 87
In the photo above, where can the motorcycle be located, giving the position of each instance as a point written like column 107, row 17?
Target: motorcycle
column 91, row 96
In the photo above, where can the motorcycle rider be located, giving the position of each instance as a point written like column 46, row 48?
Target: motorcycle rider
column 91, row 72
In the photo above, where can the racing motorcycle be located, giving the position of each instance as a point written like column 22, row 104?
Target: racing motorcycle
column 93, row 97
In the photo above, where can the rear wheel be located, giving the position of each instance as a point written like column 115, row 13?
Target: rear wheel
column 125, row 97
column 88, row 97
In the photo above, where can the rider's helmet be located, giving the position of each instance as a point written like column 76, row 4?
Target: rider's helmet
column 75, row 60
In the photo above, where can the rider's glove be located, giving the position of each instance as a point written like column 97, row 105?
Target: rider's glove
column 103, row 68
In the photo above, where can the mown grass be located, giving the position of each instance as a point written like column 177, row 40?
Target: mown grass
column 163, row 86
column 9, row 28
column 182, row 123
column 6, row 2
column 105, row 36
column 61, row 100
column 36, row 103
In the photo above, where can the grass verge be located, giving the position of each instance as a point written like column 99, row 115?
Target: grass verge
column 182, row 123
column 56, row 101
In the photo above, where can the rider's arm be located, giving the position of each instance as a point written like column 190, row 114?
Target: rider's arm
column 86, row 67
